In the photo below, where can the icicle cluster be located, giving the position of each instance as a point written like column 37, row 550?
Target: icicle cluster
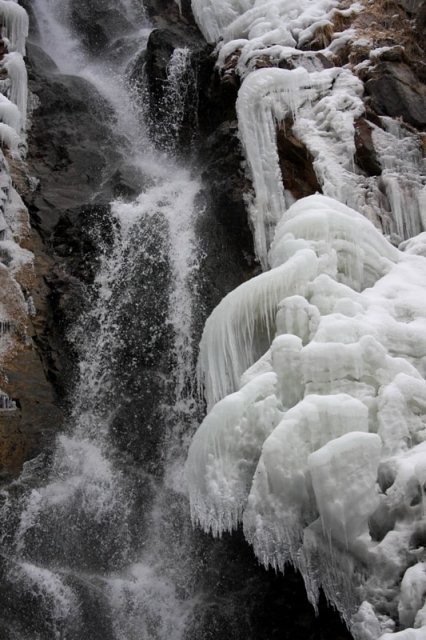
column 320, row 451
column 323, row 105
column 13, row 102
column 15, row 262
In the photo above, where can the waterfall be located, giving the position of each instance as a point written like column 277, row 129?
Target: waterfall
column 100, row 531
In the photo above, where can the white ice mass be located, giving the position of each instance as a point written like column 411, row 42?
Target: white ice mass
column 314, row 371
column 322, row 444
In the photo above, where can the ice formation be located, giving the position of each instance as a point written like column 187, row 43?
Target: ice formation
column 266, row 97
column 16, row 263
column 317, row 441
column 18, row 91
column 323, row 105
column 15, row 22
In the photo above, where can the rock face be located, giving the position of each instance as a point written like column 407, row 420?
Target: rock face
column 366, row 156
column 99, row 24
column 27, row 377
column 395, row 91
column 296, row 163
column 209, row 111
column 177, row 66
column 70, row 161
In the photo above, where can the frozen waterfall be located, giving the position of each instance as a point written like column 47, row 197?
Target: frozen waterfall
column 314, row 370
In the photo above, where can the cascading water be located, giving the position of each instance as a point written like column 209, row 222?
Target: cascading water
column 83, row 540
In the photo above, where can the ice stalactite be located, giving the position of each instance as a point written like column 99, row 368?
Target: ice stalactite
column 314, row 101
column 403, row 176
column 323, row 106
column 214, row 16
column 15, row 23
column 320, row 450
column 18, row 90
column 15, row 86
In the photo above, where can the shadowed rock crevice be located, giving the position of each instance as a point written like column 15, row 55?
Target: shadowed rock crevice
column 296, row 163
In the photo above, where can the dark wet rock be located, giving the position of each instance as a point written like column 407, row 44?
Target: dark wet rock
column 296, row 163
column 411, row 6
column 192, row 83
column 40, row 63
column 33, row 28
column 98, row 23
column 224, row 228
column 395, row 90
column 70, row 141
column 275, row 604
column 365, row 155
column 420, row 25
column 164, row 12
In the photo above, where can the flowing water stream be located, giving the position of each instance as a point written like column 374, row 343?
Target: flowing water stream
column 98, row 526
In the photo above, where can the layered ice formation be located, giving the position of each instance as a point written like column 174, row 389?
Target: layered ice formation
column 316, row 442
column 314, row 371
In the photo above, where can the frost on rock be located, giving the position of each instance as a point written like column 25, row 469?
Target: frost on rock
column 317, row 442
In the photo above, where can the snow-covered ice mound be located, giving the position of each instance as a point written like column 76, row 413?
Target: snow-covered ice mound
column 316, row 439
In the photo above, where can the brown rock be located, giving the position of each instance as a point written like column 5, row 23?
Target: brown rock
column 365, row 156
column 296, row 162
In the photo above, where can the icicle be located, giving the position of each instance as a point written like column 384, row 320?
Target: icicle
column 225, row 451
column 10, row 114
column 9, row 137
column 6, row 404
column 237, row 332
column 16, row 69
column 16, row 23
column 266, row 97
column 213, row 16
column 403, row 176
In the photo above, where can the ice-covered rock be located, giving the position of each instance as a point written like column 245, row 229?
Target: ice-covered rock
column 323, row 105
